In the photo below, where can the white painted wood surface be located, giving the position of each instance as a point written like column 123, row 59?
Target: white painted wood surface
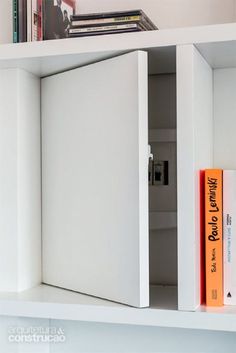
column 219, row 54
column 48, row 57
column 20, row 181
column 194, row 152
column 105, row 338
column 95, row 180
column 224, row 118
column 45, row 58
column 54, row 303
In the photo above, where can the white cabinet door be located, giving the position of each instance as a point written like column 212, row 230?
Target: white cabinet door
column 95, row 180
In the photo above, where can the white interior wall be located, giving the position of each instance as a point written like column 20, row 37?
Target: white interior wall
column 5, row 21
column 170, row 13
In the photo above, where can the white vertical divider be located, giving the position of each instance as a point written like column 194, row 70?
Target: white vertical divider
column 20, row 181
column 194, row 152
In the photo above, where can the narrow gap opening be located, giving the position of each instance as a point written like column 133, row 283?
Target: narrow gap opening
column 163, row 188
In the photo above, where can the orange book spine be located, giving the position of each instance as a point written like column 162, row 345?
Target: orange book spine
column 213, row 237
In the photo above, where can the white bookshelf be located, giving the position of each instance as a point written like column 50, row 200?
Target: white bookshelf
column 45, row 58
column 55, row 303
column 203, row 60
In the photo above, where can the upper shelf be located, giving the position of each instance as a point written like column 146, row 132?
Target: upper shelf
column 48, row 57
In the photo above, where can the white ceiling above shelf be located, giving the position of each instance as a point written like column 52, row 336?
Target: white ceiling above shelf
column 220, row 54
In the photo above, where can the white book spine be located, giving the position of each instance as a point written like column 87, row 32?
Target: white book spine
column 29, row 20
column 229, row 236
column 103, row 28
column 34, row 20
column 105, row 20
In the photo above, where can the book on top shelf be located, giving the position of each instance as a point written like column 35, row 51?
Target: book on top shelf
column 113, row 17
column 56, row 18
column 110, row 23
column 35, row 20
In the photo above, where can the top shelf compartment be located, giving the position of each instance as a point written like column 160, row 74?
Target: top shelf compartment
column 50, row 57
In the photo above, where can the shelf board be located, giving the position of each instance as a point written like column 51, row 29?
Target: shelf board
column 220, row 54
column 162, row 220
column 162, row 135
column 49, row 57
column 55, row 303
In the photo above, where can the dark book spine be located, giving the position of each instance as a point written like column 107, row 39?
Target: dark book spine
column 15, row 21
column 22, row 20
column 25, row 32
column 40, row 19
column 100, row 15
column 48, row 19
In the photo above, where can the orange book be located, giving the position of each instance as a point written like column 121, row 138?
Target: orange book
column 213, row 237
column 202, row 238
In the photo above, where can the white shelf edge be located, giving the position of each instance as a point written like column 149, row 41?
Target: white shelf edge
column 54, row 303
column 162, row 135
column 162, row 220
column 48, row 57
column 127, row 41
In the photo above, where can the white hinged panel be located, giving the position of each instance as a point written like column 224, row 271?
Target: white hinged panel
column 95, row 179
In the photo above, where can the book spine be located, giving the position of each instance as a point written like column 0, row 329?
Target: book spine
column 24, row 19
column 34, row 20
column 21, row 20
column 112, row 14
column 150, row 24
column 213, row 237
column 15, row 21
column 105, row 20
column 40, row 19
column 202, row 237
column 117, row 31
column 229, row 228
column 103, row 28
column 29, row 21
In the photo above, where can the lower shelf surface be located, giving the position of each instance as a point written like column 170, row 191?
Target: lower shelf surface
column 55, row 303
